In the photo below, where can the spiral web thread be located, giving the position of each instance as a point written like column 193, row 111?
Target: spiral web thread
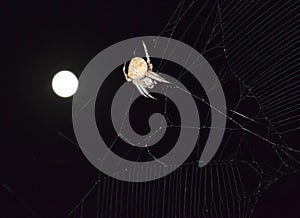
column 260, row 43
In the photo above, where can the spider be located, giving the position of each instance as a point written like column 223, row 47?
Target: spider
column 141, row 75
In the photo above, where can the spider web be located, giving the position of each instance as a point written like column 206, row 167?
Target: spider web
column 254, row 49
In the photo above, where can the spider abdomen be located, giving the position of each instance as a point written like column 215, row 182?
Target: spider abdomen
column 137, row 68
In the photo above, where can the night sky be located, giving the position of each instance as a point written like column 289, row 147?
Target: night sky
column 45, row 174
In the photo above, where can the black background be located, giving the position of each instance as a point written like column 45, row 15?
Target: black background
column 44, row 173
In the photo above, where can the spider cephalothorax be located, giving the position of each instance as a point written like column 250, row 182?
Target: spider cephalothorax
column 141, row 74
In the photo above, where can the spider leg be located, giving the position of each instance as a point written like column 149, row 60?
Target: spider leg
column 142, row 90
column 156, row 77
column 150, row 66
column 145, row 91
column 138, row 86
column 126, row 77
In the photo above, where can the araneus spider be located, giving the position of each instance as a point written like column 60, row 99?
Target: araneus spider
column 141, row 74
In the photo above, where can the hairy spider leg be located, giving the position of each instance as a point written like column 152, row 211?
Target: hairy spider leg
column 126, row 77
column 155, row 76
column 150, row 66
column 146, row 92
column 141, row 89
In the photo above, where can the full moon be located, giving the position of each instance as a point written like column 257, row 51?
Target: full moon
column 65, row 84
